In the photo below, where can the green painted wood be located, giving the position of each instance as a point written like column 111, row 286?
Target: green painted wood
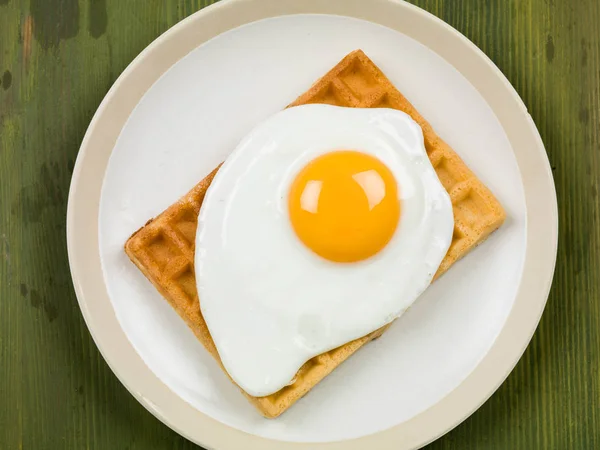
column 57, row 60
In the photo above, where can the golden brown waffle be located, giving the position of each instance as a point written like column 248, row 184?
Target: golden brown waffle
column 164, row 248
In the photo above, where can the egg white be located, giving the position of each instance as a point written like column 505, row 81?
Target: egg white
column 270, row 303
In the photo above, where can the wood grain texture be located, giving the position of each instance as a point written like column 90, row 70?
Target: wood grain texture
column 57, row 60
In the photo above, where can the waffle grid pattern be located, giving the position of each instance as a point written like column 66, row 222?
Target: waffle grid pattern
column 164, row 248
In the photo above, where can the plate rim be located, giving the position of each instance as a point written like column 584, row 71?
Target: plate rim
column 171, row 46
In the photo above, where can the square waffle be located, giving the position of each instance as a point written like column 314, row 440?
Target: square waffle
column 163, row 249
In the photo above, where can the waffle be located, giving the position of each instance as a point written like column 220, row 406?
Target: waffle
column 163, row 249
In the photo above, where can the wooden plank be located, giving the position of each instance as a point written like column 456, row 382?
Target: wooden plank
column 57, row 60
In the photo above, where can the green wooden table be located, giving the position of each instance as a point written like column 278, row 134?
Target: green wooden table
column 58, row 58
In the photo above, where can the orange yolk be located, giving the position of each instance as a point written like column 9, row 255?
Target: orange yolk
column 344, row 206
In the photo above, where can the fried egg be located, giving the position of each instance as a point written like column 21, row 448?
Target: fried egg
column 323, row 225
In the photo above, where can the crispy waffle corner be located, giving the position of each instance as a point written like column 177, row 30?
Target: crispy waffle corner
column 163, row 249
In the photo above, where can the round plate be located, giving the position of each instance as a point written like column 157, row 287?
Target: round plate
column 182, row 106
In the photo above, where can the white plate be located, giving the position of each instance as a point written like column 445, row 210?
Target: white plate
column 182, row 124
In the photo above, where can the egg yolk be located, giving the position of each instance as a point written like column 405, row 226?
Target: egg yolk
column 344, row 206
